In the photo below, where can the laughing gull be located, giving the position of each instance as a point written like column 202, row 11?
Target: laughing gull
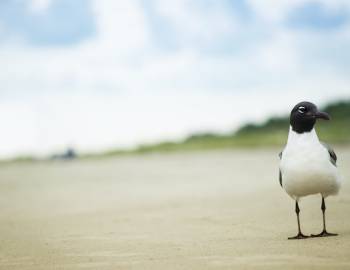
column 308, row 166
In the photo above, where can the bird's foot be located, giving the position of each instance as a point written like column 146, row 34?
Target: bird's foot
column 324, row 233
column 298, row 236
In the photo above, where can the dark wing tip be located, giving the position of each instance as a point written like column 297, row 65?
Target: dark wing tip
column 280, row 178
column 332, row 156
column 280, row 174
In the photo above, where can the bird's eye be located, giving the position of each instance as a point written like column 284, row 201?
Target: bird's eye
column 302, row 109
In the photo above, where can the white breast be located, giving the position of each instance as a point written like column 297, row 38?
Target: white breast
column 306, row 168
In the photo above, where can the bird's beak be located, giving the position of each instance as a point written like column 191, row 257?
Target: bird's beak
column 322, row 115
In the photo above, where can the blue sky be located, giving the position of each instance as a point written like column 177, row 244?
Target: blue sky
column 62, row 23
column 101, row 73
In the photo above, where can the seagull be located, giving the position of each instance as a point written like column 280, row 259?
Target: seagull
column 307, row 165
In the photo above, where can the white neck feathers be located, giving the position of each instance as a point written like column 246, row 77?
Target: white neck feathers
column 306, row 137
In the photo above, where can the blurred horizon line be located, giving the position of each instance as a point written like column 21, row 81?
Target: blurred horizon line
column 162, row 145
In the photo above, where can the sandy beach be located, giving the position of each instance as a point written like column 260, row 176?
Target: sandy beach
column 204, row 210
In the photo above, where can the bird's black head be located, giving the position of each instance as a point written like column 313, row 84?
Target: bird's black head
column 304, row 115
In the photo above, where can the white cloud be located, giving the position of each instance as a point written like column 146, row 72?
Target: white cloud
column 274, row 11
column 39, row 6
column 122, row 26
column 197, row 23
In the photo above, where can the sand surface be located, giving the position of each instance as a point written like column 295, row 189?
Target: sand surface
column 210, row 210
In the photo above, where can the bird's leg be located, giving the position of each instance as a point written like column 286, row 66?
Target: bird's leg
column 300, row 235
column 324, row 232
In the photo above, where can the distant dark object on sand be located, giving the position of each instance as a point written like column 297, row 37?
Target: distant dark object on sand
column 69, row 154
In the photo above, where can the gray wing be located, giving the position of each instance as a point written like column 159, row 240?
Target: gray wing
column 332, row 155
column 280, row 174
